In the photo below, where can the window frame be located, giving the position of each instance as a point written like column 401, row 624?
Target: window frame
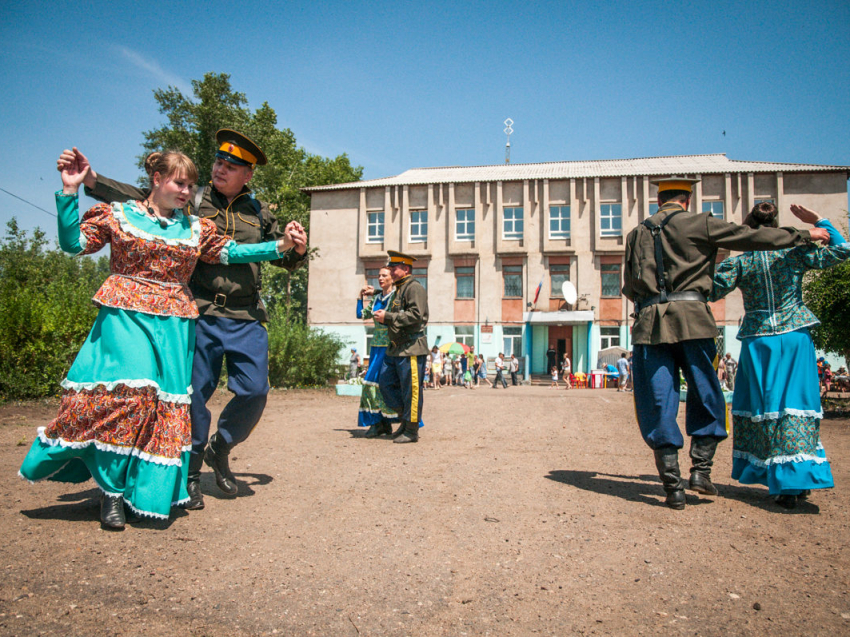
column 464, row 275
column 514, row 234
column 602, row 273
column 711, row 203
column 610, row 336
column 467, row 222
column 370, row 238
column 560, row 234
column 512, row 271
column 610, row 217
column 464, row 333
column 556, row 292
column 513, row 335
column 421, row 275
column 421, row 237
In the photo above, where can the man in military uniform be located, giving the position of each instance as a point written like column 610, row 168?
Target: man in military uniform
column 669, row 270
column 228, row 298
column 404, row 364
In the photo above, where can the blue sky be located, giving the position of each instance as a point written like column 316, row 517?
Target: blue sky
column 398, row 85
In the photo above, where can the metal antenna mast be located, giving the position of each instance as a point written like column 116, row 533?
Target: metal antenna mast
column 508, row 130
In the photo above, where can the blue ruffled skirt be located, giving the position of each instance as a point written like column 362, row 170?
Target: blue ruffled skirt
column 776, row 415
column 373, row 409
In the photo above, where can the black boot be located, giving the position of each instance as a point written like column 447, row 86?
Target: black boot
column 702, row 457
column 112, row 512
column 398, row 431
column 216, row 458
column 372, row 432
column 193, row 483
column 385, row 428
column 667, row 463
column 411, row 433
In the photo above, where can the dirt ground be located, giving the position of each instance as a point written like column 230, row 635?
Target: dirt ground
column 526, row 511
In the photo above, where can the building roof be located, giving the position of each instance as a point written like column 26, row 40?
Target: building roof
column 680, row 165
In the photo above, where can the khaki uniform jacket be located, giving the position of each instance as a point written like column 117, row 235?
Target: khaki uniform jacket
column 406, row 318
column 229, row 291
column 690, row 242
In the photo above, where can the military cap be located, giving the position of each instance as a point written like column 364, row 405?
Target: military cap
column 674, row 183
column 399, row 257
column 238, row 149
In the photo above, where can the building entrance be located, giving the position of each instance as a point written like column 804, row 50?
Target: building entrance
column 561, row 336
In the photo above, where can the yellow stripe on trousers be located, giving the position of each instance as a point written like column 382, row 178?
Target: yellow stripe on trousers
column 414, row 394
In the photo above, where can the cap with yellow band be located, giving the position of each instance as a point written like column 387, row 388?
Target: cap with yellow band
column 675, row 183
column 399, row 257
column 238, row 149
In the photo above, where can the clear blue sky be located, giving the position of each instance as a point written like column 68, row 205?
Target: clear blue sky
column 398, row 85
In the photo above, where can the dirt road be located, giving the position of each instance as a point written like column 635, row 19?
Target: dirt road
column 526, row 511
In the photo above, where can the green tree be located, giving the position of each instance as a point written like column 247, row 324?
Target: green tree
column 45, row 312
column 827, row 294
column 191, row 124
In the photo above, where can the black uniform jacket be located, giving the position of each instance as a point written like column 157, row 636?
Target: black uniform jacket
column 406, row 319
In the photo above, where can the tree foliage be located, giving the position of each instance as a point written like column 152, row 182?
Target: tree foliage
column 827, row 294
column 191, row 124
column 45, row 312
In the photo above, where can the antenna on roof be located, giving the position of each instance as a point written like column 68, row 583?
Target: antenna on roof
column 508, row 130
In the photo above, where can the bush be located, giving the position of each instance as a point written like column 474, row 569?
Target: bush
column 45, row 312
column 300, row 356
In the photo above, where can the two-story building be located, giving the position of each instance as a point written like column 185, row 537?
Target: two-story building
column 496, row 243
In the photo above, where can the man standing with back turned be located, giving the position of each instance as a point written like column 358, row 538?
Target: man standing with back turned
column 228, row 298
column 669, row 271
column 404, row 365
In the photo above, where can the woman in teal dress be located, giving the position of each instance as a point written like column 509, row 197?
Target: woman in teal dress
column 374, row 412
column 124, row 415
column 776, row 407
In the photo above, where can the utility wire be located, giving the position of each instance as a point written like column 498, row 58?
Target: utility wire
column 11, row 194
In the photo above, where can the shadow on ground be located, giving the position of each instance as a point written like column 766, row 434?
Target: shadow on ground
column 648, row 490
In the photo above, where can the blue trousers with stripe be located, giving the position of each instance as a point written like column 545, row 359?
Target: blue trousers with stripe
column 246, row 345
column 401, row 385
column 655, row 375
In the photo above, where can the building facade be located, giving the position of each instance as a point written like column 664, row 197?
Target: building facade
column 495, row 244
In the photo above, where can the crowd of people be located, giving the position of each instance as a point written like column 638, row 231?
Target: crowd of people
column 183, row 297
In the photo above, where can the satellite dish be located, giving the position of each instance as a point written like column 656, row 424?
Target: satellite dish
column 569, row 291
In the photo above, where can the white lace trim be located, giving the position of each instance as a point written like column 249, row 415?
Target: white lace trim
column 103, row 446
column 224, row 257
column 135, row 383
column 128, row 227
column 776, row 415
column 800, row 457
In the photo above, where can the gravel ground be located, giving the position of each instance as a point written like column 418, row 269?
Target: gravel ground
column 526, row 511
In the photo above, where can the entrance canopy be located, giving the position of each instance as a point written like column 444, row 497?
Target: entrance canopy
column 558, row 318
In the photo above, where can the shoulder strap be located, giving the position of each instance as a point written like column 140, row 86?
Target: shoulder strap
column 655, row 230
column 259, row 210
column 199, row 197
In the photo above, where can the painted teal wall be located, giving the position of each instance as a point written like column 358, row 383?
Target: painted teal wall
column 539, row 344
column 579, row 348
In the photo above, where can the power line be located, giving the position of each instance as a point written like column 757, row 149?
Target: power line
column 11, row 194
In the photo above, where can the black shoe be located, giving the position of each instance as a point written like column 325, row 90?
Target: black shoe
column 385, row 429
column 804, row 495
column 411, row 433
column 112, row 512
column 193, row 483
column 216, row 458
column 787, row 501
column 372, row 432
column 667, row 463
column 702, row 458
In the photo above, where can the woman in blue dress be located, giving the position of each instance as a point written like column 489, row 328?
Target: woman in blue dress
column 776, row 407
column 374, row 412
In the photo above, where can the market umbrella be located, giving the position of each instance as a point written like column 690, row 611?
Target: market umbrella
column 454, row 348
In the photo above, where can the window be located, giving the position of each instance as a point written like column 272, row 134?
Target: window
column 610, row 279
column 609, row 337
column 465, row 278
column 557, row 275
column 465, row 334
column 513, row 280
column 653, row 208
column 714, row 208
column 370, row 333
column 375, row 227
column 418, row 226
column 559, row 222
column 512, row 340
column 421, row 275
column 372, row 277
column 465, row 225
column 611, row 220
column 765, row 200
column 512, row 223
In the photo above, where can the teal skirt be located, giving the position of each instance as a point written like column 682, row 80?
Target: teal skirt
column 124, row 417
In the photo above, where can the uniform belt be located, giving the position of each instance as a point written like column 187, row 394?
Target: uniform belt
column 222, row 300
column 670, row 298
column 410, row 338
